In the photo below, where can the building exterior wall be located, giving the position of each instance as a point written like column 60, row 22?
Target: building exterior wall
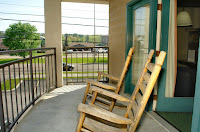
column 104, row 39
column 117, row 35
column 2, row 46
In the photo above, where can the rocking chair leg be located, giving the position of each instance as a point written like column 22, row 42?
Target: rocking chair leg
column 112, row 105
column 86, row 93
column 80, row 122
column 94, row 97
column 99, row 77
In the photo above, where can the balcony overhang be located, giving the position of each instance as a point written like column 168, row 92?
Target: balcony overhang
column 88, row 1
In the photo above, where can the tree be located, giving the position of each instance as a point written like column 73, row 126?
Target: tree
column 21, row 36
column 97, row 39
column 87, row 39
column 66, row 42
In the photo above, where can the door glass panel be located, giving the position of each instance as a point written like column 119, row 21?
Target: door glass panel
column 140, row 40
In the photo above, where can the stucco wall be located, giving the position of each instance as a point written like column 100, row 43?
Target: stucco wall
column 117, row 35
column 53, row 33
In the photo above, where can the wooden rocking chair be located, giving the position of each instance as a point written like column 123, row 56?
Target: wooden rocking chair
column 107, row 86
column 99, row 120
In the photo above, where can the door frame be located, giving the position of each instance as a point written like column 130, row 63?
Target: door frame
column 129, row 32
column 175, row 104
column 134, row 4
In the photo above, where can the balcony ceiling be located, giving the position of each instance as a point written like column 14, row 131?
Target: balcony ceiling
column 88, row 1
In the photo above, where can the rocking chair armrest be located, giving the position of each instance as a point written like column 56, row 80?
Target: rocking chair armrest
column 108, row 75
column 100, row 84
column 103, row 114
column 109, row 94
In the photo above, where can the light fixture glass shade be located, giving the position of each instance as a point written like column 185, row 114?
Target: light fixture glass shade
column 184, row 19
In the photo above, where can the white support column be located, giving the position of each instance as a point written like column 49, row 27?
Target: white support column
column 158, row 38
column 53, row 33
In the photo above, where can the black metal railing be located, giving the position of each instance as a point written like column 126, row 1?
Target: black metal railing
column 84, row 62
column 23, row 81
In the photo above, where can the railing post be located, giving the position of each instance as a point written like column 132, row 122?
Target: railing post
column 108, row 59
column 66, row 66
column 31, row 73
column 55, row 68
column 3, row 129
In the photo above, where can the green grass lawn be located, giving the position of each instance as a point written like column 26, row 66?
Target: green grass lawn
column 73, row 72
column 8, row 84
column 86, row 60
column 2, row 61
column 38, row 54
column 69, row 60
column 80, row 77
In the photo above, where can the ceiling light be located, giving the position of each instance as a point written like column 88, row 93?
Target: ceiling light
column 184, row 19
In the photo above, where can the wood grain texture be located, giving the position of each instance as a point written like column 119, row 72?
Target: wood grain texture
column 146, row 77
column 109, row 76
column 110, row 94
column 131, row 115
column 80, row 123
column 94, row 97
column 99, row 84
column 140, row 80
column 106, row 115
column 150, row 67
column 143, row 101
column 84, row 130
column 86, row 92
column 96, row 126
column 138, row 97
column 134, row 107
column 142, row 87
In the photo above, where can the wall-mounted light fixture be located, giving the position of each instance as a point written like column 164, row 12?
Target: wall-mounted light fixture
column 184, row 19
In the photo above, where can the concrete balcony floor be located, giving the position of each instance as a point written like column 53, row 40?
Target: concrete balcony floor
column 57, row 112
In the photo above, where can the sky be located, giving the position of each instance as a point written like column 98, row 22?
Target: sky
column 80, row 14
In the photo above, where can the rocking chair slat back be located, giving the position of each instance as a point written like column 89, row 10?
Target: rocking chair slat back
column 143, row 89
column 127, row 63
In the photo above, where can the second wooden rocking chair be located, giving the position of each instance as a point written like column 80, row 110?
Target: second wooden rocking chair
column 107, row 86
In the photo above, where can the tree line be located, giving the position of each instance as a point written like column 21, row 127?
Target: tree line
column 79, row 38
column 24, row 36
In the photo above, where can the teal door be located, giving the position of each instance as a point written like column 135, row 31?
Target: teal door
column 141, row 22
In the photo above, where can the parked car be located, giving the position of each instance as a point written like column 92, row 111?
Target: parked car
column 69, row 67
column 69, row 51
column 80, row 49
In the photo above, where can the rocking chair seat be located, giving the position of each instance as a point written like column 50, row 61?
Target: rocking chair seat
column 103, row 114
column 97, row 126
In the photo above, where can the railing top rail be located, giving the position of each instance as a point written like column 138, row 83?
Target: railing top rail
column 23, row 50
column 86, row 47
column 22, row 60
